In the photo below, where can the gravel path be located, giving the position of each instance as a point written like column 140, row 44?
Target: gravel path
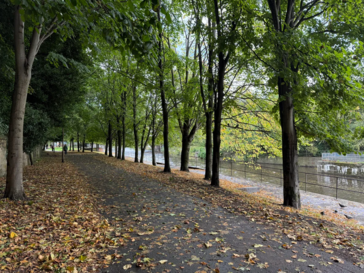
column 167, row 231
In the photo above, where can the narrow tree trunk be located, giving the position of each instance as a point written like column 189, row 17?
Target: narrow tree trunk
column 30, row 159
column 62, row 145
column 135, row 127
column 83, row 144
column 119, row 141
column 78, row 141
column 153, row 151
column 92, row 146
column 23, row 68
column 141, row 148
column 123, row 123
column 291, row 192
column 106, row 145
column 167, row 167
column 110, row 140
column 208, row 159
column 123, row 155
column 116, row 147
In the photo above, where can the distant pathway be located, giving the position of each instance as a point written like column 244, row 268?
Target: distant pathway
column 167, row 231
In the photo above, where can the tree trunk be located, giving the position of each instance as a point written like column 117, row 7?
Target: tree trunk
column 185, row 153
column 83, row 144
column 116, row 147
column 92, row 146
column 153, row 151
column 62, row 145
column 291, row 192
column 23, row 69
column 208, row 159
column 135, row 127
column 106, row 145
column 123, row 155
column 78, row 141
column 167, row 167
column 215, row 179
column 119, row 141
column 110, row 140
column 123, row 123
column 30, row 159
column 144, row 146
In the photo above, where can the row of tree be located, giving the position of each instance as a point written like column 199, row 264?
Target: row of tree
column 235, row 69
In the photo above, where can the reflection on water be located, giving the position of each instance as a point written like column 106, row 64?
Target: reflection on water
column 340, row 180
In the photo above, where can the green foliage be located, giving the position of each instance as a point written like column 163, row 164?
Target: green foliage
column 36, row 124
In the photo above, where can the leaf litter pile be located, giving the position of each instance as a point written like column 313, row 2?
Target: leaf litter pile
column 58, row 228
column 332, row 237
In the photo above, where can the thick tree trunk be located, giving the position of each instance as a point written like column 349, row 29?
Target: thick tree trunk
column 291, row 192
column 23, row 68
column 185, row 152
column 167, row 167
column 110, row 140
column 215, row 179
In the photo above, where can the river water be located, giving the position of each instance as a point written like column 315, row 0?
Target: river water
column 341, row 180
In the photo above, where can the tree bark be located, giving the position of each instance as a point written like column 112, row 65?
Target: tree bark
column 78, row 141
column 167, row 167
column 187, row 137
column 62, row 145
column 291, row 192
column 153, row 151
column 92, row 146
column 185, row 153
column 106, row 145
column 83, row 143
column 30, row 159
column 119, row 141
column 23, row 68
column 110, row 140
column 135, row 126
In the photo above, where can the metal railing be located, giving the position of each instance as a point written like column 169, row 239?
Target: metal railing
column 259, row 172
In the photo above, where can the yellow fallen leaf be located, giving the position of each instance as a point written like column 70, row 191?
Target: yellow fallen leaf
column 12, row 235
column 127, row 266
column 163, row 261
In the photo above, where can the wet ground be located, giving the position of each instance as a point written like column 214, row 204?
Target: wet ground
column 168, row 231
